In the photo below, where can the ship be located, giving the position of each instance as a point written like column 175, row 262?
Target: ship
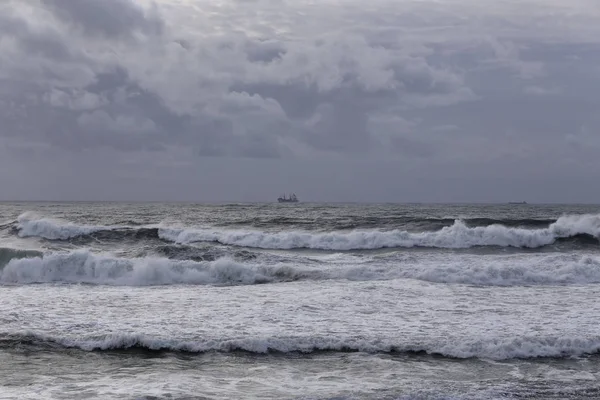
column 291, row 199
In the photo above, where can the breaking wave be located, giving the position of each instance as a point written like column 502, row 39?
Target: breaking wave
column 8, row 254
column 84, row 267
column 496, row 348
column 30, row 225
column 579, row 229
column 459, row 235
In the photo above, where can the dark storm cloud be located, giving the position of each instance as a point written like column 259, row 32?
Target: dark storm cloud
column 415, row 89
column 319, row 92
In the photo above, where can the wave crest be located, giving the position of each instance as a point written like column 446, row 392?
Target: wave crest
column 84, row 267
column 490, row 348
column 580, row 229
column 459, row 235
column 8, row 254
column 30, row 224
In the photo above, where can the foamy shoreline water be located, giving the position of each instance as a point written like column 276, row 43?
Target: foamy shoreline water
column 309, row 301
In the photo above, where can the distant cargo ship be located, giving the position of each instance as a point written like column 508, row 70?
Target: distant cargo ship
column 517, row 202
column 291, row 199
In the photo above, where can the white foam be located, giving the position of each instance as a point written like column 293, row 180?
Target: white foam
column 455, row 236
column 571, row 225
column 472, row 269
column 458, row 235
column 486, row 348
column 30, row 224
column 496, row 270
column 84, row 267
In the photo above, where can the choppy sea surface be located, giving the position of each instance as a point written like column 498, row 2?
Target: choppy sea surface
column 299, row 301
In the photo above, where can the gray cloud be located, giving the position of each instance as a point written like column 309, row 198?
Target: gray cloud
column 455, row 91
column 110, row 18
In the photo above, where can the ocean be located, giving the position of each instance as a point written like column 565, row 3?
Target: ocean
column 299, row 301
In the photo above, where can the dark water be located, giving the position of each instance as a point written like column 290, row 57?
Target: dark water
column 109, row 300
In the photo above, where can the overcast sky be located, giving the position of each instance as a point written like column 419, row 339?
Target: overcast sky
column 346, row 100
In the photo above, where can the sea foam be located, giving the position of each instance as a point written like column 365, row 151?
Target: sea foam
column 30, row 224
column 458, row 235
column 525, row 347
column 82, row 266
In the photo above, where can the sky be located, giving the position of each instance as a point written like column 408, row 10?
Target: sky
column 345, row 100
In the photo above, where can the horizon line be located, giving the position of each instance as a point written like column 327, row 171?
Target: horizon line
column 512, row 203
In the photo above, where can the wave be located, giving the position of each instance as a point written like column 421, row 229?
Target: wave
column 496, row 348
column 496, row 271
column 118, row 234
column 212, row 253
column 578, row 229
column 359, row 222
column 511, row 222
column 459, row 235
column 8, row 254
column 85, row 267
column 31, row 225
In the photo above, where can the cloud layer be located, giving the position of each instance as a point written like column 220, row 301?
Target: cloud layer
column 454, row 90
